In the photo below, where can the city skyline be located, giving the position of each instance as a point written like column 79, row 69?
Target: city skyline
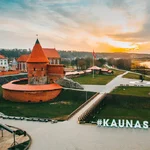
column 84, row 25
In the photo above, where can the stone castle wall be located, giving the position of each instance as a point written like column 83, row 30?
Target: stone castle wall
column 37, row 73
column 30, row 96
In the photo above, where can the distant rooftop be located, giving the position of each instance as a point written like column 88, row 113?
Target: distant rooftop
column 2, row 57
column 23, row 58
column 51, row 53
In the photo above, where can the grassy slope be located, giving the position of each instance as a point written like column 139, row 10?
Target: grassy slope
column 71, row 100
column 134, row 76
column 134, row 91
column 123, row 105
column 110, row 112
column 98, row 79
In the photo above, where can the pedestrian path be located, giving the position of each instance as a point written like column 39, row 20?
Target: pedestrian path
column 102, row 89
column 85, row 108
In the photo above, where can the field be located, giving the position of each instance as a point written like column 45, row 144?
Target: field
column 135, row 76
column 134, row 91
column 59, row 108
column 132, row 103
column 98, row 79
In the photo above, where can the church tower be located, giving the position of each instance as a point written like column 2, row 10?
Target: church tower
column 37, row 66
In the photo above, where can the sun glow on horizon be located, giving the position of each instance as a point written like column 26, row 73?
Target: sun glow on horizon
column 118, row 44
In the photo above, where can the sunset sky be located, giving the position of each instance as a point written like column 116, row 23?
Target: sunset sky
column 102, row 25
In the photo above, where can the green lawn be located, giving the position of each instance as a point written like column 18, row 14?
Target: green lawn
column 135, row 76
column 98, row 79
column 121, row 107
column 109, row 112
column 60, row 107
column 134, row 91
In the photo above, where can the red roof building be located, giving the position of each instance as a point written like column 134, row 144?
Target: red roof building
column 3, row 63
column 51, row 54
column 23, row 58
column 22, row 65
column 41, row 85
column 2, row 57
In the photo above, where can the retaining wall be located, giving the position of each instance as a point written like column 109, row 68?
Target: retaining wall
column 91, row 108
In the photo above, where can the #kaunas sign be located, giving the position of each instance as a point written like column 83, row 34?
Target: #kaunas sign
column 121, row 123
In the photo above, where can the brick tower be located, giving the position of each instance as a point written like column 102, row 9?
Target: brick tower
column 37, row 66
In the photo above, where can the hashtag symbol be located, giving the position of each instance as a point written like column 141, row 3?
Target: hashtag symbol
column 99, row 122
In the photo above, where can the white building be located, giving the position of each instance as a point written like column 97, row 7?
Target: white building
column 3, row 63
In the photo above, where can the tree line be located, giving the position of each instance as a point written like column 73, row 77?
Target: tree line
column 84, row 63
column 14, row 53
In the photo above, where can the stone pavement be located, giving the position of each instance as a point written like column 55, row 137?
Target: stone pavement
column 69, row 135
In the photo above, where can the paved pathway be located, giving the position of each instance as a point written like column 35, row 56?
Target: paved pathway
column 79, row 113
column 117, row 81
column 69, row 135
column 106, row 89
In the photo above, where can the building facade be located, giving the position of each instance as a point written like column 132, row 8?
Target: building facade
column 4, row 63
column 51, row 54
column 22, row 65
column 40, row 86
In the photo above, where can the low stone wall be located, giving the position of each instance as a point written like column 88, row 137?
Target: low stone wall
column 30, row 96
column 3, row 73
column 6, row 79
column 80, row 107
column 88, row 111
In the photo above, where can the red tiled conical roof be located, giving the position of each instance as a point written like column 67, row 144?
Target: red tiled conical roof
column 37, row 54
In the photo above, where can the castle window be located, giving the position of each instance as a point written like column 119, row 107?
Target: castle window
column 33, row 75
column 54, row 61
column 51, row 81
column 34, row 69
column 42, row 69
column 50, row 61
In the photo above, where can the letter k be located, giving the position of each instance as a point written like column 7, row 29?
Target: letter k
column 105, row 122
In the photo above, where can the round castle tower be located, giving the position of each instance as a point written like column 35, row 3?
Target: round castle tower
column 39, row 87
